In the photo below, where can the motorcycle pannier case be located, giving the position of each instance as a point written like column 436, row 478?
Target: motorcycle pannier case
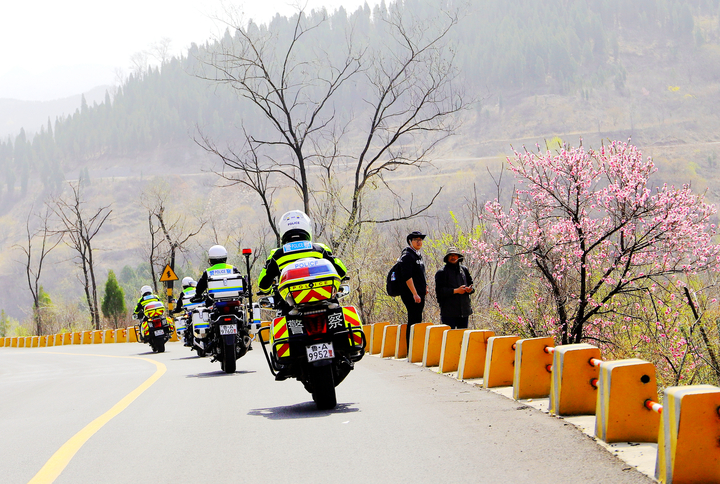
column 226, row 287
column 308, row 281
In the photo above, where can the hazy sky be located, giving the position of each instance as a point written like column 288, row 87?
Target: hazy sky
column 55, row 49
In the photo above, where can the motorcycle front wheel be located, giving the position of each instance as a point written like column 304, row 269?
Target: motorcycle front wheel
column 323, row 393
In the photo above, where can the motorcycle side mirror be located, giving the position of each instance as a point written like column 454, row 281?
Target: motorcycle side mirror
column 343, row 291
column 267, row 302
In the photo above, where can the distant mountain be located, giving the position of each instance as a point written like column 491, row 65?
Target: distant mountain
column 31, row 115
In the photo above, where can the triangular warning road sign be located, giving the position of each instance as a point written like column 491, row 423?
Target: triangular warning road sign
column 168, row 275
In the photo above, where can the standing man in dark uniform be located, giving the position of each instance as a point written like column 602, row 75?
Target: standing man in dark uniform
column 412, row 268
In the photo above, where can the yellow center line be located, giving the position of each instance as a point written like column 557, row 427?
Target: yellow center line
column 60, row 459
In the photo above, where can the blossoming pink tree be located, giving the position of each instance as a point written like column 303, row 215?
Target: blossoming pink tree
column 586, row 223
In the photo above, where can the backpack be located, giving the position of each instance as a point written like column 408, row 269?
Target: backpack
column 393, row 283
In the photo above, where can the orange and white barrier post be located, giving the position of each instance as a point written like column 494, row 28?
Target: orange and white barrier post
column 574, row 379
column 97, row 336
column 533, row 368
column 500, row 361
column 417, row 342
column 473, row 351
column 401, row 350
column 109, row 336
column 132, row 334
column 121, row 335
column 689, row 437
column 621, row 415
column 376, row 336
column 433, row 344
column 389, row 340
column 450, row 350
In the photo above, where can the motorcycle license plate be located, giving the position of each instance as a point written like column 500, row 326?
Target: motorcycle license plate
column 159, row 332
column 228, row 329
column 320, row 351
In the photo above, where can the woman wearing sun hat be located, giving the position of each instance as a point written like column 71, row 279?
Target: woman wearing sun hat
column 453, row 286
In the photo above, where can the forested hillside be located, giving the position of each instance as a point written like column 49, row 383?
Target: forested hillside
column 505, row 51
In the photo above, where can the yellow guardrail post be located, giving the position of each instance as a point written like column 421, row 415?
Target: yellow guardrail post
column 500, row 361
column 42, row 341
column 417, row 342
column 132, row 335
column 688, row 450
column 401, row 350
column 472, row 353
column 376, row 335
column 108, row 336
column 58, row 339
column 367, row 329
column 97, row 337
column 34, row 341
column 572, row 390
column 77, row 338
column 87, row 337
column 389, row 340
column 620, row 414
column 433, row 344
column 533, row 368
column 450, row 350
column 121, row 335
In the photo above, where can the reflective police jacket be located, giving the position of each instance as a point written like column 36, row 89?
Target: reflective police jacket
column 142, row 302
column 282, row 256
column 208, row 274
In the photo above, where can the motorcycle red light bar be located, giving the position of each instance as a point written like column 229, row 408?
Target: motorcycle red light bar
column 247, row 251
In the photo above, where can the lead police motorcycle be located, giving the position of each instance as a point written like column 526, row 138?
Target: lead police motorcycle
column 314, row 339
column 226, row 317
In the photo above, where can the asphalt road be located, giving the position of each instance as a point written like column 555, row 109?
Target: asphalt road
column 395, row 422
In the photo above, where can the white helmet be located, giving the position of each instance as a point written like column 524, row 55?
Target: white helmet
column 145, row 290
column 187, row 281
column 217, row 254
column 295, row 225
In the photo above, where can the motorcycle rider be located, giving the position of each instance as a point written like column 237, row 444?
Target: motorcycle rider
column 217, row 258
column 188, row 291
column 296, row 237
column 146, row 297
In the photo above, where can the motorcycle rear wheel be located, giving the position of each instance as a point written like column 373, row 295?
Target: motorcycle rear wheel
column 321, row 379
column 160, row 345
column 227, row 361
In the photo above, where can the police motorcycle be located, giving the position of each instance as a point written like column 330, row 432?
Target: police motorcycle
column 191, row 328
column 154, row 329
column 314, row 339
column 226, row 319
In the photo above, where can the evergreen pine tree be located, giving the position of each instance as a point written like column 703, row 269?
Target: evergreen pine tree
column 113, row 303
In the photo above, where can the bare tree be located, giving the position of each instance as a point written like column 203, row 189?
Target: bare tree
column 160, row 50
column 80, row 227
column 169, row 233
column 35, row 258
column 330, row 156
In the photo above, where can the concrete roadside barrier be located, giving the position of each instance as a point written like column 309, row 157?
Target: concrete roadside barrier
column 42, row 341
column 417, row 342
column 433, row 344
column 121, row 335
column 376, row 336
column 50, row 340
column 59, row 337
column 108, row 336
column 473, row 351
column 97, row 337
column 34, row 341
column 66, row 338
column 77, row 338
column 622, row 387
column 574, row 376
column 87, row 337
column 533, row 368
column 688, row 449
column 21, row 342
column 500, row 361
column 367, row 329
column 401, row 350
column 6, row 341
column 389, row 340
column 450, row 350
column 14, row 342
column 132, row 334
